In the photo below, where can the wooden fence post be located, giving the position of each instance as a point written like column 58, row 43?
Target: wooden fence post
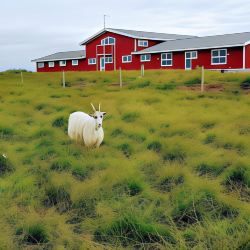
column 202, row 78
column 142, row 70
column 63, row 79
column 120, row 75
column 21, row 77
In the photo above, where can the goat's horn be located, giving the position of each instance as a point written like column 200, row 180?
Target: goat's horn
column 93, row 107
column 99, row 107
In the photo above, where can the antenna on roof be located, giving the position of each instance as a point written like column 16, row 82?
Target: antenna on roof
column 104, row 20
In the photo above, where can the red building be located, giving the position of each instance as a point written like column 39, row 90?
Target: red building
column 111, row 49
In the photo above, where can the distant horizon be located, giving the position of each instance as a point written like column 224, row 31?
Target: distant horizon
column 31, row 35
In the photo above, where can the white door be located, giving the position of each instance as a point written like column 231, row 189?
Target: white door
column 102, row 64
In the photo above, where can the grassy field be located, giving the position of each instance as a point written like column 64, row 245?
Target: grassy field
column 173, row 171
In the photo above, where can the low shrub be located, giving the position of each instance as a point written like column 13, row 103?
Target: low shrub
column 130, row 117
column 155, row 146
column 130, row 230
column 116, row 132
column 166, row 86
column 5, row 165
column 6, row 132
column 81, row 209
column 193, row 81
column 175, row 154
column 81, row 173
column 170, row 182
column 211, row 170
column 126, row 149
column 59, row 197
column 35, row 234
column 245, row 84
column 60, row 165
column 210, row 138
column 59, row 122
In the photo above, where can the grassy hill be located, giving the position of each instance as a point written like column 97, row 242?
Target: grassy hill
column 173, row 171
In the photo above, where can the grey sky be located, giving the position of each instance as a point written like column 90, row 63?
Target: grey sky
column 33, row 28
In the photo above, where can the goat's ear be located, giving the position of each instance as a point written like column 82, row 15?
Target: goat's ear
column 104, row 113
column 91, row 115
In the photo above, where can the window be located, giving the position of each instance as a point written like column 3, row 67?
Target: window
column 145, row 58
column 127, row 59
column 191, row 55
column 108, row 41
column 142, row 43
column 51, row 64
column 40, row 65
column 219, row 56
column 74, row 62
column 62, row 63
column 167, row 59
column 108, row 59
column 92, row 61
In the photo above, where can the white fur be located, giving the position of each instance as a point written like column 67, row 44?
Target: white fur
column 83, row 127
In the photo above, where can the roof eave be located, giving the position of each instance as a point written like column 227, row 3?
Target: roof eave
column 55, row 60
column 127, row 35
column 201, row 48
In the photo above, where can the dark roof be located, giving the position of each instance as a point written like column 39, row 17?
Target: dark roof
column 138, row 34
column 218, row 41
column 68, row 55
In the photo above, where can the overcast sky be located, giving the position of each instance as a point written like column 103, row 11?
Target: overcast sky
column 33, row 28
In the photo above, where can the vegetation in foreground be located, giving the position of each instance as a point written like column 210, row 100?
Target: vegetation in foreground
column 173, row 172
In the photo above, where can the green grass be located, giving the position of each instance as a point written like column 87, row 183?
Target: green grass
column 173, row 171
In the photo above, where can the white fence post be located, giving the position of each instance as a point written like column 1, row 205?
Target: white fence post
column 142, row 70
column 63, row 79
column 202, row 78
column 120, row 74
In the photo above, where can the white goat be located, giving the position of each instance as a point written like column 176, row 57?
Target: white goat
column 87, row 128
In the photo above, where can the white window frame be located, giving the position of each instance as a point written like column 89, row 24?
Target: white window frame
column 107, row 59
column 51, row 64
column 145, row 60
column 74, row 62
column 103, row 41
column 125, row 59
column 219, row 56
column 170, row 53
column 91, row 61
column 40, row 65
column 63, row 63
column 142, row 43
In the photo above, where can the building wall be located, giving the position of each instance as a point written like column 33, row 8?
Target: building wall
column 234, row 60
column 248, row 56
column 126, row 45
column 80, row 67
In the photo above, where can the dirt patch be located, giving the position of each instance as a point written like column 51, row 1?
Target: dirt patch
column 208, row 88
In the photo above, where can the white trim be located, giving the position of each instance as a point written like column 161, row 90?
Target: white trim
column 108, row 37
column 176, row 50
column 109, row 62
column 94, row 61
column 126, row 56
column 143, row 60
column 135, row 48
column 140, row 43
column 40, row 65
column 244, row 57
column 61, row 64
column 56, row 60
column 170, row 53
column 247, row 43
column 51, row 64
column 74, row 64
column 127, row 35
column 218, row 57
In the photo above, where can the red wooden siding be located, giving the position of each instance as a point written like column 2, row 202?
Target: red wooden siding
column 126, row 45
column 248, row 56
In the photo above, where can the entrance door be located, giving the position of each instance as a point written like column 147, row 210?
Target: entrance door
column 102, row 64
column 188, row 60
